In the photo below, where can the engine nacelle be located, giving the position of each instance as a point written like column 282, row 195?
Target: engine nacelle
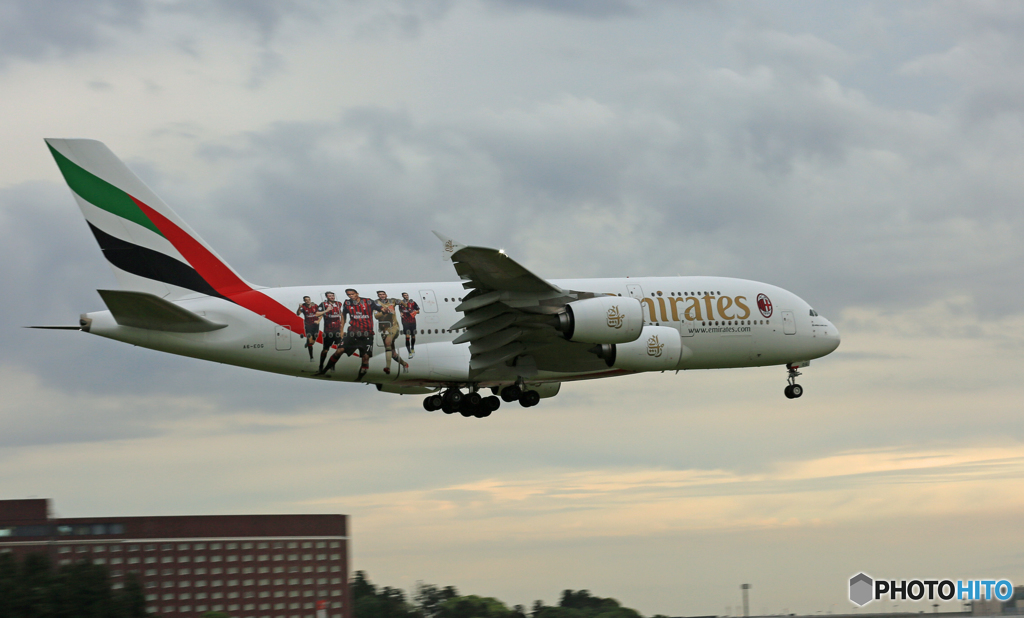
column 602, row 319
column 657, row 349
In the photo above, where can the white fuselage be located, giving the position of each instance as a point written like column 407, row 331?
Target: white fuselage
column 719, row 321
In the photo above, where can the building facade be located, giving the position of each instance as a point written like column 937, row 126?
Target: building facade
column 250, row 566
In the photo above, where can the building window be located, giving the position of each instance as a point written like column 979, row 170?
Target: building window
column 64, row 550
column 150, row 559
column 200, row 583
column 99, row 561
column 200, row 571
column 246, row 545
column 321, row 545
column 133, row 560
column 133, row 548
column 215, row 558
column 200, row 546
column 232, row 558
column 335, row 556
column 115, row 548
column 293, row 545
column 335, row 544
column 262, row 545
column 200, row 558
column 167, row 559
column 321, row 556
column 167, row 546
column 232, row 546
column 115, row 561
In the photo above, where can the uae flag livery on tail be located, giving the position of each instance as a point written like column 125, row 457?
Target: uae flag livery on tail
column 148, row 246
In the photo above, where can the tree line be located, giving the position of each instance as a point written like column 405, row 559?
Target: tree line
column 32, row 588
column 430, row 601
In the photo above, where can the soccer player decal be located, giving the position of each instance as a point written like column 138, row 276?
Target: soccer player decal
column 309, row 312
column 358, row 312
column 330, row 309
column 387, row 326
column 408, row 308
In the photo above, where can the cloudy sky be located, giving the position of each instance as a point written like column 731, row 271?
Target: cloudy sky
column 866, row 156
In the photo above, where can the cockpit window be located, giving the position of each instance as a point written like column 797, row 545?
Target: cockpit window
column 813, row 313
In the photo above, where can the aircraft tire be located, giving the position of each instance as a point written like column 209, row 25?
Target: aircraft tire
column 789, row 391
column 529, row 399
column 453, row 396
column 511, row 393
column 432, row 403
column 448, row 408
column 492, row 403
column 795, row 391
column 474, row 399
column 482, row 412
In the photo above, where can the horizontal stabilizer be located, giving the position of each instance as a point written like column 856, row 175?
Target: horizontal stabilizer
column 55, row 327
column 144, row 310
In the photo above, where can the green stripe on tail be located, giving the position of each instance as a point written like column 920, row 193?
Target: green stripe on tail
column 101, row 193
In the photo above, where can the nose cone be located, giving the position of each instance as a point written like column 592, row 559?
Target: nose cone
column 831, row 338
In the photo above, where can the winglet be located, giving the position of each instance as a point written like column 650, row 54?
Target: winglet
column 450, row 247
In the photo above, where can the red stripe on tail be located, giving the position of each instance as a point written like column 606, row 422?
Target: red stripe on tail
column 219, row 276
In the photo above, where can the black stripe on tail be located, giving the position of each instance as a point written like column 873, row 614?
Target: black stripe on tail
column 150, row 264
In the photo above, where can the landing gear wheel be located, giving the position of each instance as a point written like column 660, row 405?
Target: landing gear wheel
column 434, row 402
column 473, row 399
column 511, row 393
column 794, row 390
column 453, row 396
column 492, row 403
column 529, row 399
column 448, row 408
column 482, row 412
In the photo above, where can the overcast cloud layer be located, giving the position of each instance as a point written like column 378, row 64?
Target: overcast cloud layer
column 865, row 156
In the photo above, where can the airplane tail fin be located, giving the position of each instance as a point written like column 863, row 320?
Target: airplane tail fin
column 148, row 246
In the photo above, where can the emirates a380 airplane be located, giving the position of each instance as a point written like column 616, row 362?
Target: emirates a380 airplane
column 501, row 327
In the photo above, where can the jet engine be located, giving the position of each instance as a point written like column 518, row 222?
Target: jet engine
column 658, row 348
column 602, row 319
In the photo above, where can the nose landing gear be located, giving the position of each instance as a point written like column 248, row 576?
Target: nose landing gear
column 793, row 390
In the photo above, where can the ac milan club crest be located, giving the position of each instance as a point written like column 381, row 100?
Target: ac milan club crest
column 764, row 305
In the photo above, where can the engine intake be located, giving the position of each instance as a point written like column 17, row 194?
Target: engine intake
column 602, row 319
column 657, row 349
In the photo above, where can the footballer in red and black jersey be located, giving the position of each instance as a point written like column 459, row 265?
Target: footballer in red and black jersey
column 332, row 312
column 359, row 314
column 408, row 308
column 309, row 312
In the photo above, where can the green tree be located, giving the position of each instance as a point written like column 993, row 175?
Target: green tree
column 131, row 603
column 472, row 606
column 429, row 598
column 368, row 602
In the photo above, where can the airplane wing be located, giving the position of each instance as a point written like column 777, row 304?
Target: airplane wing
column 510, row 315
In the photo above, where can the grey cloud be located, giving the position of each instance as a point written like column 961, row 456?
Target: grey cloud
column 41, row 29
column 581, row 8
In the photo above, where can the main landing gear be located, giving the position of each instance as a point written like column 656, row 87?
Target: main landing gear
column 471, row 404
column 515, row 392
column 793, row 390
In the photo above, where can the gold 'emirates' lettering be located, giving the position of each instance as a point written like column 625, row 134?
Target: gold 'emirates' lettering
column 693, row 310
